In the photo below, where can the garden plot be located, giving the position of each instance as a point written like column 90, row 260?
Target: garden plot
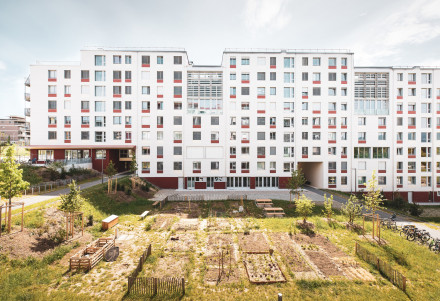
column 287, row 248
column 330, row 259
column 186, row 224
column 183, row 209
column 181, row 242
column 254, row 242
column 216, row 243
column 163, row 222
column 213, row 276
column 169, row 266
column 262, row 268
column 218, row 224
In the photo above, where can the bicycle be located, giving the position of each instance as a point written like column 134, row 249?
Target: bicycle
column 421, row 235
column 434, row 245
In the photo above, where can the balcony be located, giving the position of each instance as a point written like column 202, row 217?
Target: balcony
column 372, row 111
column 27, row 96
column 27, row 112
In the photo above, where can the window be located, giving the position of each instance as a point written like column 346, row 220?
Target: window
column 362, row 152
column 52, row 89
column 160, row 60
column 273, row 91
column 289, row 77
column 145, row 166
column 146, row 90
column 100, row 137
column 232, row 61
column 344, row 62
column 305, row 61
column 245, row 61
column 244, row 90
column 197, row 135
column 146, row 60
column 411, row 77
column 215, row 165
column 316, row 91
column 52, row 74
column 332, row 62
column 99, row 60
column 316, row 151
column 100, row 90
column 261, row 120
column 316, row 61
column 177, row 151
column 67, row 120
column 331, row 91
column 99, row 106
column 117, row 59
column 52, row 104
column 232, row 76
column 288, row 92
column 117, row 135
column 128, row 59
column 273, row 61
column 85, row 75
column 412, row 92
column 177, row 165
column 261, row 136
column 261, row 91
column 332, row 77
column 261, row 75
column 273, row 76
column 426, row 78
column 197, row 165
column 177, row 60
column 289, row 62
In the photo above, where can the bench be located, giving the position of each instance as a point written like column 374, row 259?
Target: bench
column 274, row 212
column 110, row 222
column 263, row 203
column 143, row 215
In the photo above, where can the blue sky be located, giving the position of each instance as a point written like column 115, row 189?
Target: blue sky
column 391, row 32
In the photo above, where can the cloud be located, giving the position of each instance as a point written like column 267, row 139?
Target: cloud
column 2, row 65
column 416, row 24
column 266, row 14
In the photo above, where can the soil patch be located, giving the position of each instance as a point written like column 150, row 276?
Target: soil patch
column 324, row 263
column 262, row 268
column 186, row 224
column 218, row 224
column 216, row 243
column 286, row 248
column 163, row 222
column 318, row 242
column 181, row 242
column 182, row 209
column 228, row 276
column 169, row 266
column 253, row 242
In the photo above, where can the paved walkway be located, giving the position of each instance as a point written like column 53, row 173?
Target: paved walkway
column 30, row 200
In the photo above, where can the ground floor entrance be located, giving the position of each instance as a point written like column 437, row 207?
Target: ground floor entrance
column 313, row 172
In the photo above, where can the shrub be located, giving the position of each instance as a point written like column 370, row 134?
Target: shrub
column 352, row 209
column 415, row 209
column 304, row 207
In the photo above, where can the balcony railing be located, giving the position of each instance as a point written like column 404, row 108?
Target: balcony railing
column 27, row 112
column 372, row 111
column 28, row 81
column 75, row 161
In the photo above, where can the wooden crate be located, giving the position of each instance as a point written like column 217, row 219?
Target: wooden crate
column 110, row 222
column 89, row 256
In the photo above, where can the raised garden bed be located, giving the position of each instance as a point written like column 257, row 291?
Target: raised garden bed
column 186, row 224
column 262, row 268
column 163, row 222
column 89, row 256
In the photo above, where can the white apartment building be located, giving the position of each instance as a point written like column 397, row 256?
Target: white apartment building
column 243, row 124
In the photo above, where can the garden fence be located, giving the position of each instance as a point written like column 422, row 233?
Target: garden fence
column 150, row 285
column 385, row 268
column 49, row 186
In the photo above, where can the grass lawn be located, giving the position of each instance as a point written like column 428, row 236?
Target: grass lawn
column 47, row 279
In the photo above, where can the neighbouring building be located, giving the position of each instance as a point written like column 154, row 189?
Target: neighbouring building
column 243, row 124
column 14, row 129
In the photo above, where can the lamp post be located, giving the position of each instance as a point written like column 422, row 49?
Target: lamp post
column 355, row 179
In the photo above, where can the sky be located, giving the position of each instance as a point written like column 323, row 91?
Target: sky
column 379, row 32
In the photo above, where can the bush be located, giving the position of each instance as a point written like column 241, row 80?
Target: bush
column 127, row 190
column 415, row 209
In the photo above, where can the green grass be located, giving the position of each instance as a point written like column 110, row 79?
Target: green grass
column 31, row 279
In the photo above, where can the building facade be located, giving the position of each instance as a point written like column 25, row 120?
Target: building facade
column 243, row 124
column 15, row 129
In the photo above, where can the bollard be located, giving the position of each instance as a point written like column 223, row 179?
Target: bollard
column 280, row 297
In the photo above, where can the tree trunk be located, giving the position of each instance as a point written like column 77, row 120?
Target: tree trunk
column 9, row 215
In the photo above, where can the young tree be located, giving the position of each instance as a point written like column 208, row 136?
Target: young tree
column 373, row 198
column 328, row 203
column 11, row 180
column 72, row 201
column 296, row 181
column 133, row 163
column 110, row 171
column 352, row 209
column 304, row 207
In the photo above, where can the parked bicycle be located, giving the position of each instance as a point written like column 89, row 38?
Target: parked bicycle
column 420, row 235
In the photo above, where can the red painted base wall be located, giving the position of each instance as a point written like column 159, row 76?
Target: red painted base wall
column 164, row 182
column 282, row 182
